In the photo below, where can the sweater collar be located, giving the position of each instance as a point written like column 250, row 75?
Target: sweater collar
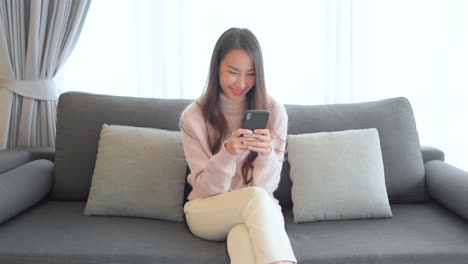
column 230, row 106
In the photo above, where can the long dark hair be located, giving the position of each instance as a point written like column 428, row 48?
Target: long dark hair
column 218, row 130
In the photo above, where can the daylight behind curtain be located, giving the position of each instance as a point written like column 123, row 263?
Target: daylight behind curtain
column 315, row 52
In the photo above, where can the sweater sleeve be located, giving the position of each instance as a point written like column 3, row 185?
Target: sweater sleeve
column 209, row 174
column 267, row 169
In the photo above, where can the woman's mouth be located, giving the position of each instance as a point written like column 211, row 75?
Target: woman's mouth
column 237, row 92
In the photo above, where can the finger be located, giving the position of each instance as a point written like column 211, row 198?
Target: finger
column 262, row 131
column 259, row 150
column 248, row 142
column 259, row 137
column 240, row 145
column 237, row 142
column 258, row 144
column 242, row 131
column 244, row 140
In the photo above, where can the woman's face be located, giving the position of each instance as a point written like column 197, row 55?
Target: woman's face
column 237, row 74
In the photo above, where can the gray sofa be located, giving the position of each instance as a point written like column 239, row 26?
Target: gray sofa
column 43, row 194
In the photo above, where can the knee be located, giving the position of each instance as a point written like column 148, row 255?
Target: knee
column 260, row 200
column 239, row 245
column 258, row 193
column 238, row 233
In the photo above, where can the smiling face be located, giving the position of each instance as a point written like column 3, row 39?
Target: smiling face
column 237, row 74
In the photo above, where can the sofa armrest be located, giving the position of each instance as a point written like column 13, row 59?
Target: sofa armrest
column 13, row 158
column 431, row 153
column 448, row 185
column 24, row 186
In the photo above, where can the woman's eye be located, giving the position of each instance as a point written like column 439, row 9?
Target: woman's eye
column 231, row 72
column 251, row 74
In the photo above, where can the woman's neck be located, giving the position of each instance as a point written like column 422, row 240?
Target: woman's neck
column 232, row 107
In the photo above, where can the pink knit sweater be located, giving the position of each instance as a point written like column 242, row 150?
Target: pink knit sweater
column 212, row 174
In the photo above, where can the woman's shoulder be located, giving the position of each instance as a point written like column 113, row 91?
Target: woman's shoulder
column 192, row 111
column 192, row 115
column 276, row 108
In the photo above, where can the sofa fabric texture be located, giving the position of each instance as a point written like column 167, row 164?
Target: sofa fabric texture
column 431, row 153
column 76, row 147
column 80, row 117
column 448, row 185
column 55, row 232
column 426, row 226
column 12, row 159
column 24, row 186
column 399, row 141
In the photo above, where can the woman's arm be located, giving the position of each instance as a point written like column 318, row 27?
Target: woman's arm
column 209, row 174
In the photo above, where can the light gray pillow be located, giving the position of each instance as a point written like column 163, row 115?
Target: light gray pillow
column 139, row 172
column 337, row 175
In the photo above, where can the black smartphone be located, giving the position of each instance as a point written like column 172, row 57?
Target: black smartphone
column 255, row 119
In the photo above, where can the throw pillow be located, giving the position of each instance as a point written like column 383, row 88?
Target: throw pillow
column 337, row 175
column 139, row 172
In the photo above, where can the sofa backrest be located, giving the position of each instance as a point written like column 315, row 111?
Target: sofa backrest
column 80, row 117
column 399, row 141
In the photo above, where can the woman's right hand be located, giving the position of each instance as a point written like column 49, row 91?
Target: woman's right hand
column 236, row 143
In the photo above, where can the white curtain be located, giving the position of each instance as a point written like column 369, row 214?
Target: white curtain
column 315, row 52
column 36, row 38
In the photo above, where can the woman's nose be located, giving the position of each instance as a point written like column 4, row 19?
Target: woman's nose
column 241, row 82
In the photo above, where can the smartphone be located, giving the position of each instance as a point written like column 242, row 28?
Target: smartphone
column 255, row 119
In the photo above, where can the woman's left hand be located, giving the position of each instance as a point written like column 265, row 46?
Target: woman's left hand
column 260, row 141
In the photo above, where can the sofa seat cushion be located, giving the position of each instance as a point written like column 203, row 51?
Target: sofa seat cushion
column 417, row 233
column 58, row 232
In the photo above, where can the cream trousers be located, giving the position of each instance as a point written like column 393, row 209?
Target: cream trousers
column 251, row 221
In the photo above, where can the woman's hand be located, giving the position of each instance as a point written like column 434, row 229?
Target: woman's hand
column 242, row 140
column 259, row 141
column 237, row 144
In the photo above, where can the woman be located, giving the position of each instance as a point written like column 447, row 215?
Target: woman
column 234, row 171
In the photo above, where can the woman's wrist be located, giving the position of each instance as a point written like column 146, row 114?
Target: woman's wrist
column 267, row 153
column 228, row 148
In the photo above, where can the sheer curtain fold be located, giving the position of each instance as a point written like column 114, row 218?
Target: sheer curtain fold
column 37, row 38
